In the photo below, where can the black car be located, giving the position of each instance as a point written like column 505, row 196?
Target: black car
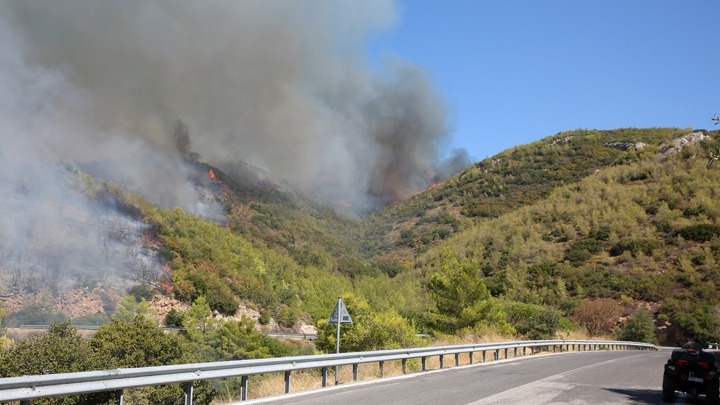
column 693, row 371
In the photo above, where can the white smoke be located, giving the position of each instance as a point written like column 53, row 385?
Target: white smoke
column 279, row 84
column 132, row 91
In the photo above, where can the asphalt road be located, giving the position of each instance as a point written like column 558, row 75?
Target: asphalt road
column 602, row 377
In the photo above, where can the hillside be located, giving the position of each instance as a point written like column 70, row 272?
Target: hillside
column 578, row 216
column 505, row 182
column 640, row 227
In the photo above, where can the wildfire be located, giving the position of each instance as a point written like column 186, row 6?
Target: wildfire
column 213, row 177
column 416, row 192
column 166, row 278
column 344, row 203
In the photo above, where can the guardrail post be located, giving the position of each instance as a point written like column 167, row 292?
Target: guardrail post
column 118, row 398
column 457, row 359
column 424, row 361
column 442, row 363
column 188, row 388
column 506, row 352
column 244, row 388
column 404, row 366
column 515, row 351
column 496, row 356
column 324, row 377
column 483, row 353
column 382, row 369
column 287, row 382
column 471, row 357
column 355, row 372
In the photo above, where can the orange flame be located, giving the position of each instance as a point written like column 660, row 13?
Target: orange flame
column 211, row 174
column 166, row 278
column 167, row 286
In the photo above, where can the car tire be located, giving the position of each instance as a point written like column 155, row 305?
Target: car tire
column 712, row 394
column 668, row 389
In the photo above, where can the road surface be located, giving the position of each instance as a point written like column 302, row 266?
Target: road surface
column 579, row 378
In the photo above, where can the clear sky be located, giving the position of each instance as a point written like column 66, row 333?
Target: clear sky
column 515, row 71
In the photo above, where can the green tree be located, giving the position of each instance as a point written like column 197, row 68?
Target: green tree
column 381, row 331
column 533, row 321
column 141, row 343
column 370, row 330
column 237, row 340
column 462, row 301
column 174, row 319
column 5, row 342
column 639, row 328
column 198, row 320
column 61, row 350
column 129, row 308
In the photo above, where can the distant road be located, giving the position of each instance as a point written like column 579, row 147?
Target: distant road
column 580, row 378
column 24, row 330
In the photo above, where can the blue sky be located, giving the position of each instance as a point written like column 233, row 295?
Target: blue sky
column 515, row 71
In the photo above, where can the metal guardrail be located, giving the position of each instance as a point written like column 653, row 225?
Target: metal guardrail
column 26, row 388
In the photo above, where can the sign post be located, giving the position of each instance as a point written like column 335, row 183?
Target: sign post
column 339, row 315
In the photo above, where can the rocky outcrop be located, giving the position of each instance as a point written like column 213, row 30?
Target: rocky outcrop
column 680, row 143
column 626, row 145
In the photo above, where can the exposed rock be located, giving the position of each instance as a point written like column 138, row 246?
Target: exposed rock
column 308, row 329
column 564, row 139
column 626, row 145
column 679, row 143
column 162, row 305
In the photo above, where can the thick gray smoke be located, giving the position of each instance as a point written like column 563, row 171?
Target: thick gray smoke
column 280, row 84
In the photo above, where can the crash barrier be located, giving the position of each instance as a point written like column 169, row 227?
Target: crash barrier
column 26, row 388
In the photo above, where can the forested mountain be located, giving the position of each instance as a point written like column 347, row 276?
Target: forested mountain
column 536, row 240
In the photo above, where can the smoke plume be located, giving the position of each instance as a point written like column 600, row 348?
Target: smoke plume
column 283, row 85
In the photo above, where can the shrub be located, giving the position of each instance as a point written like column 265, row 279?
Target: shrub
column 34, row 315
column 598, row 316
column 142, row 292
column 635, row 246
column 140, row 343
column 91, row 320
column 639, row 328
column 582, row 250
column 174, row 319
column 533, row 321
column 61, row 350
column 699, row 232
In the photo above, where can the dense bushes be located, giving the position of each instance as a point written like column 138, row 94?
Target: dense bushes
column 700, row 232
column 533, row 321
column 639, row 328
column 582, row 250
column 117, row 344
column 635, row 246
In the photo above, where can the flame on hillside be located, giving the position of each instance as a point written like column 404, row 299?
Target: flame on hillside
column 166, row 279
